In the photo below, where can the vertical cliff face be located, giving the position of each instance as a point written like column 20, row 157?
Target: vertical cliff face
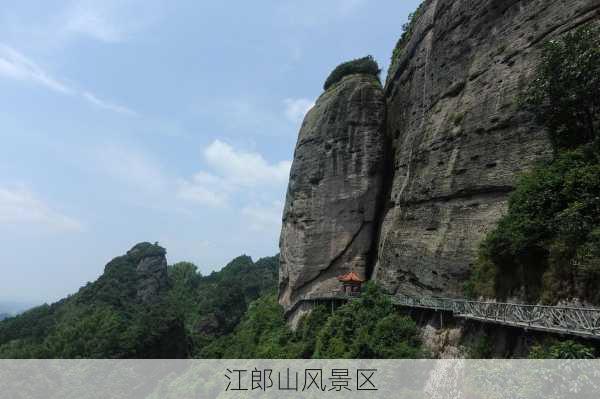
column 335, row 181
column 458, row 139
column 152, row 270
column 143, row 270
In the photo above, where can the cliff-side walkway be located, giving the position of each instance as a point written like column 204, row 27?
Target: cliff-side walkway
column 567, row 320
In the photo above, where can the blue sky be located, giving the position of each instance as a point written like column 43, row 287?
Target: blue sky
column 150, row 120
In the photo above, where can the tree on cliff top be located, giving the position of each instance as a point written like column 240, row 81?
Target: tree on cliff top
column 366, row 65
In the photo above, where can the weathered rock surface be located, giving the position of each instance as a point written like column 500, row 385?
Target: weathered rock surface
column 336, row 180
column 457, row 141
column 460, row 137
column 151, row 268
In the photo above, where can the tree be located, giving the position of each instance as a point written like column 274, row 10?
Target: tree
column 565, row 93
column 408, row 29
column 567, row 349
column 368, row 328
column 184, row 273
column 546, row 247
column 366, row 65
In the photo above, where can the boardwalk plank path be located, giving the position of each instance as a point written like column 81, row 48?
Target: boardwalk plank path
column 568, row 320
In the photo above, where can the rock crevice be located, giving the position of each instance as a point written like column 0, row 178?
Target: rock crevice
column 426, row 164
column 335, row 185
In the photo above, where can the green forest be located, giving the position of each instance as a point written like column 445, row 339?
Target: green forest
column 106, row 319
column 232, row 313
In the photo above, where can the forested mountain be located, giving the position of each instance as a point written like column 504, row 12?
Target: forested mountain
column 140, row 308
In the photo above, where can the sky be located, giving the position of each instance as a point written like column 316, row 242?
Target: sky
column 124, row 121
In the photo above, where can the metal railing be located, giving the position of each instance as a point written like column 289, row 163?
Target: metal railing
column 569, row 320
column 562, row 319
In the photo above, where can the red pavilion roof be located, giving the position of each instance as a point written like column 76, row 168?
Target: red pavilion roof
column 351, row 277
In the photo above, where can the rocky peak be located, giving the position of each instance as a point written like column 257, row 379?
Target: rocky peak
column 329, row 220
column 151, row 267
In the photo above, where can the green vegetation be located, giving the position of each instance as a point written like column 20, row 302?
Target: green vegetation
column 232, row 313
column 263, row 334
column 565, row 94
column 221, row 299
column 561, row 350
column 407, row 31
column 366, row 65
column 481, row 348
column 368, row 327
column 547, row 247
column 104, row 319
column 457, row 118
column 107, row 319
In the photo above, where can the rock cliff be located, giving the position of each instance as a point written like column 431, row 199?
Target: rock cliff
column 151, row 268
column 457, row 139
column 460, row 137
column 335, row 185
column 142, row 270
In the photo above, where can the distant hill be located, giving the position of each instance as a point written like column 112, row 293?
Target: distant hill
column 15, row 307
column 4, row 316
column 141, row 308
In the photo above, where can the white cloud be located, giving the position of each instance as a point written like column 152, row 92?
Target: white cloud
column 232, row 171
column 244, row 168
column 205, row 189
column 18, row 206
column 296, row 108
column 107, row 105
column 264, row 218
column 16, row 66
